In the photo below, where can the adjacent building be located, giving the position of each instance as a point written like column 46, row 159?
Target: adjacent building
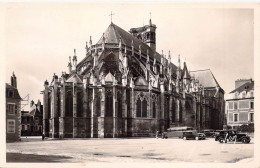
column 240, row 108
column 123, row 87
column 13, row 111
column 32, row 120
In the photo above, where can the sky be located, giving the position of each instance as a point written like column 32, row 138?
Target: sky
column 40, row 37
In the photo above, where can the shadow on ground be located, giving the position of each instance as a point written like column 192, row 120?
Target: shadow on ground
column 18, row 157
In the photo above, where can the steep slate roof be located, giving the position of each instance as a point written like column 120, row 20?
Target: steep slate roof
column 113, row 34
column 79, row 78
column 16, row 93
column 246, row 86
column 205, row 77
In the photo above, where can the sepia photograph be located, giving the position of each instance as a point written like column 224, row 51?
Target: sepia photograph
column 154, row 83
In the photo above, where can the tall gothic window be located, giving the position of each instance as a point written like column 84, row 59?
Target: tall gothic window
column 79, row 103
column 119, row 104
column 109, row 103
column 180, row 112
column 154, row 110
column 138, row 108
column 144, row 108
column 69, row 104
column 98, row 105
column 173, row 111
column 141, row 108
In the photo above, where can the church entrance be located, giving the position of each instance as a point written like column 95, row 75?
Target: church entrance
column 108, row 127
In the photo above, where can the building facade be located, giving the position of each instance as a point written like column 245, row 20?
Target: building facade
column 240, row 108
column 32, row 120
column 123, row 87
column 13, row 111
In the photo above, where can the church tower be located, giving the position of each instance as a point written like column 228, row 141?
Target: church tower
column 146, row 34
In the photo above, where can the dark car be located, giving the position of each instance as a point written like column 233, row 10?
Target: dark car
column 208, row 132
column 232, row 136
column 191, row 135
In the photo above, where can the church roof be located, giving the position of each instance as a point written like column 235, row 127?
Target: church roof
column 205, row 77
column 74, row 78
column 247, row 86
column 113, row 34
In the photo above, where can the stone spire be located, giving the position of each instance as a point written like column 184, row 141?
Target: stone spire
column 74, row 66
column 86, row 47
column 120, row 43
column 133, row 49
column 69, row 65
column 140, row 51
column 147, row 60
column 103, row 41
column 90, row 42
column 169, row 56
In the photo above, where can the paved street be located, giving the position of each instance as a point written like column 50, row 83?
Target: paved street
column 127, row 150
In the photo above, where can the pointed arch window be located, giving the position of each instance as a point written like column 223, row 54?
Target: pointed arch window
column 144, row 108
column 138, row 108
column 141, row 107
column 154, row 109
column 69, row 104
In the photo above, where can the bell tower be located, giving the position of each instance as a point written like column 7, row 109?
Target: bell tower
column 146, row 34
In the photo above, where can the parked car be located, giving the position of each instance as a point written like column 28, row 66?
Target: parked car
column 209, row 132
column 191, row 135
column 231, row 136
column 177, row 132
column 216, row 133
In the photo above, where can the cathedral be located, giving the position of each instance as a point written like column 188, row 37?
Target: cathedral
column 124, row 88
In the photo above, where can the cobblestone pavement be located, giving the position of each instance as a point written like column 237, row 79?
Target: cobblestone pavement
column 132, row 149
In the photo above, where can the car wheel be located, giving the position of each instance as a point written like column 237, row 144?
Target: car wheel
column 184, row 138
column 244, row 140
column 221, row 140
column 197, row 138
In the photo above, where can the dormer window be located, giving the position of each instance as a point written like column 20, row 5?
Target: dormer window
column 236, row 95
column 243, row 95
column 251, row 94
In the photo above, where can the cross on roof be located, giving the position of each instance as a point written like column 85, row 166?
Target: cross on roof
column 111, row 14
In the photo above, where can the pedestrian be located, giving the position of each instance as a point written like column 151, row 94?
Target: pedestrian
column 157, row 134
column 43, row 136
column 226, row 137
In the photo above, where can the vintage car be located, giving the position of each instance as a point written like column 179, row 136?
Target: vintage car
column 208, row 132
column 225, row 136
column 190, row 135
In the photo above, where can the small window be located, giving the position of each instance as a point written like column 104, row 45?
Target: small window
column 251, row 117
column 252, row 105
column 10, row 126
column 11, row 108
column 11, row 94
column 235, row 105
column 235, row 117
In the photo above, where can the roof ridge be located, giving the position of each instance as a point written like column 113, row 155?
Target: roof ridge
column 201, row 70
